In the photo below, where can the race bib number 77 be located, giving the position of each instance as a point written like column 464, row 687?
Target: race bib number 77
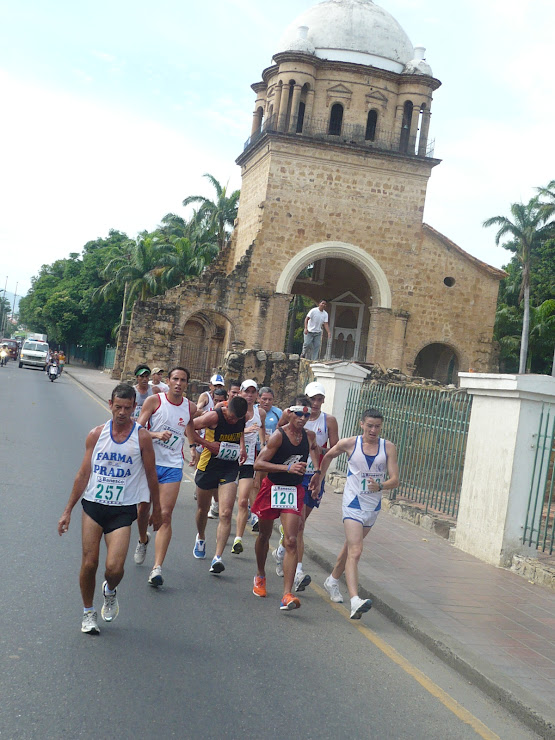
column 284, row 497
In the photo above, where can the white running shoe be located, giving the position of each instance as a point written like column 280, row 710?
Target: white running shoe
column 155, row 578
column 359, row 607
column 110, row 607
column 199, row 550
column 333, row 591
column 217, row 566
column 302, row 580
column 279, row 563
column 89, row 625
column 140, row 550
column 214, row 512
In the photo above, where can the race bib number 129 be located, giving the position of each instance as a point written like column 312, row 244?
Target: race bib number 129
column 284, row 497
column 229, row 451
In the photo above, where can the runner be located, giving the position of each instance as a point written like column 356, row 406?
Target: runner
column 117, row 472
column 273, row 415
column 325, row 428
column 371, row 460
column 254, row 433
column 234, row 390
column 142, row 389
column 217, row 472
column 205, row 404
column 282, row 495
column 169, row 417
column 156, row 382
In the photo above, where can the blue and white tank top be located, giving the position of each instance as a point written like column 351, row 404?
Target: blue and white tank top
column 252, row 438
column 173, row 418
column 361, row 467
column 118, row 475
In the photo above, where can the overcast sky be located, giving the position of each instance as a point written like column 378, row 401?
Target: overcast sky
column 112, row 112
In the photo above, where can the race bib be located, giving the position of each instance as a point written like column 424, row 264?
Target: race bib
column 365, row 482
column 170, row 443
column 284, row 497
column 110, row 494
column 309, row 467
column 229, row 451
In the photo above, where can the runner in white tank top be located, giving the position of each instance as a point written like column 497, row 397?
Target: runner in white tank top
column 255, row 421
column 372, row 468
column 169, row 419
column 117, row 472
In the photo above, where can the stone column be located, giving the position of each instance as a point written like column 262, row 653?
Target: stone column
column 378, row 335
column 295, row 109
column 282, row 116
column 499, row 462
column 277, row 103
column 256, row 120
column 424, row 131
column 337, row 380
column 397, row 348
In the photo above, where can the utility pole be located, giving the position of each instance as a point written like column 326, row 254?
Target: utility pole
column 4, row 312
column 14, row 300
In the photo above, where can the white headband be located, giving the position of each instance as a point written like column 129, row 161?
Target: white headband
column 303, row 409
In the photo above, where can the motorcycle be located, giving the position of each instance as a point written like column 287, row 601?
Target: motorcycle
column 52, row 372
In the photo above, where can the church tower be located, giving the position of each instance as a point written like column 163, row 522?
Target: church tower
column 334, row 179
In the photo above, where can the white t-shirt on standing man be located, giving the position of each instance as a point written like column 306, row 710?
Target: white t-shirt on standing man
column 316, row 319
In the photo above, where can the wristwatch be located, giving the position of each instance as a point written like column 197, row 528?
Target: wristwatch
column 193, row 445
column 380, row 486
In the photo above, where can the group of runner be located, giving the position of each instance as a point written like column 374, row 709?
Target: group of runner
column 243, row 447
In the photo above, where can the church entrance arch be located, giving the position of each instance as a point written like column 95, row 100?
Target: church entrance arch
column 350, row 280
column 437, row 361
column 206, row 337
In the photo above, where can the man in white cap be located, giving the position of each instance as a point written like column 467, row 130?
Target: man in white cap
column 325, row 428
column 156, row 383
column 254, row 432
column 205, row 404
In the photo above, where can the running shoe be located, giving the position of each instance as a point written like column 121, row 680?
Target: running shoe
column 237, row 547
column 279, row 563
column 359, row 607
column 289, row 602
column 253, row 521
column 199, row 550
column 255, row 527
column 89, row 625
column 217, row 566
column 302, row 580
column 110, row 607
column 155, row 578
column 214, row 511
column 259, row 586
column 140, row 550
column 333, row 591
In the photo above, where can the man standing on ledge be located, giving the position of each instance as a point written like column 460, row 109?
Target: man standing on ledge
column 315, row 319
column 373, row 468
column 118, row 472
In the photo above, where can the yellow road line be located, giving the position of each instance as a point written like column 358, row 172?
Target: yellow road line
column 448, row 701
column 94, row 398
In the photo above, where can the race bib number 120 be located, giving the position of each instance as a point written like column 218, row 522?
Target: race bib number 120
column 284, row 497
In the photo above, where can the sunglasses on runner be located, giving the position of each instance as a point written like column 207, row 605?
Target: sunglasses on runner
column 301, row 413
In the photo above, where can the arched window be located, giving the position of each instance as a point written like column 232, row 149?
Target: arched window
column 371, row 124
column 300, row 117
column 259, row 117
column 336, row 119
column 405, row 128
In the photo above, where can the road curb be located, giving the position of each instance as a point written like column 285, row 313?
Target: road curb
column 533, row 713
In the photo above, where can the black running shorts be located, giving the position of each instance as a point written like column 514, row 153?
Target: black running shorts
column 110, row 517
column 218, row 475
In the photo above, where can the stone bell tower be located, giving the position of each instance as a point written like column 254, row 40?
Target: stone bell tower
column 334, row 179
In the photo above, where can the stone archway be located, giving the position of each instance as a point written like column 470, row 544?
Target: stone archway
column 438, row 361
column 206, row 335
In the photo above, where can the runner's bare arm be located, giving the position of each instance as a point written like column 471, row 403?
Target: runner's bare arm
column 262, row 430
column 202, row 402
column 209, row 419
column 81, row 480
column 333, row 432
column 151, row 404
column 149, row 462
column 346, row 445
column 263, row 463
column 242, row 449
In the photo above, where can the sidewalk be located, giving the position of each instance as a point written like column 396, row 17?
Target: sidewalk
column 491, row 625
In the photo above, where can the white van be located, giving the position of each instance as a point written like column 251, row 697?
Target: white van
column 34, row 353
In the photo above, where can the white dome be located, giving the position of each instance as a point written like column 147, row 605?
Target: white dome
column 355, row 31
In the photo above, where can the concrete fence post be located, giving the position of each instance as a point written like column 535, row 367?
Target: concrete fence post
column 499, row 462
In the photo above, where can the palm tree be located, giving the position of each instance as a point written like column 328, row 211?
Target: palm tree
column 547, row 209
column 187, row 259
column 526, row 231
column 219, row 214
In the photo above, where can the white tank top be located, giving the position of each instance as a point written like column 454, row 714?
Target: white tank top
column 252, row 438
column 118, row 475
column 209, row 407
column 140, row 398
column 320, row 428
column 173, row 418
column 360, row 468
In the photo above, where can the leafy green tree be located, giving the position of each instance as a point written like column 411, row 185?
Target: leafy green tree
column 218, row 214
column 525, row 231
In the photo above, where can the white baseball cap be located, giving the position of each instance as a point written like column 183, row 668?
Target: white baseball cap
column 249, row 384
column 314, row 389
column 217, row 379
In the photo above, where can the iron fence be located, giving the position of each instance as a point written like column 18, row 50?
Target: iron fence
column 429, row 427
column 539, row 527
column 109, row 357
column 201, row 359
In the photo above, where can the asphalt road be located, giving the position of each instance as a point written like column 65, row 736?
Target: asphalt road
column 201, row 657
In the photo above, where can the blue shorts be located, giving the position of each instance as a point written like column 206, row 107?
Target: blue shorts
column 312, row 503
column 169, row 475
